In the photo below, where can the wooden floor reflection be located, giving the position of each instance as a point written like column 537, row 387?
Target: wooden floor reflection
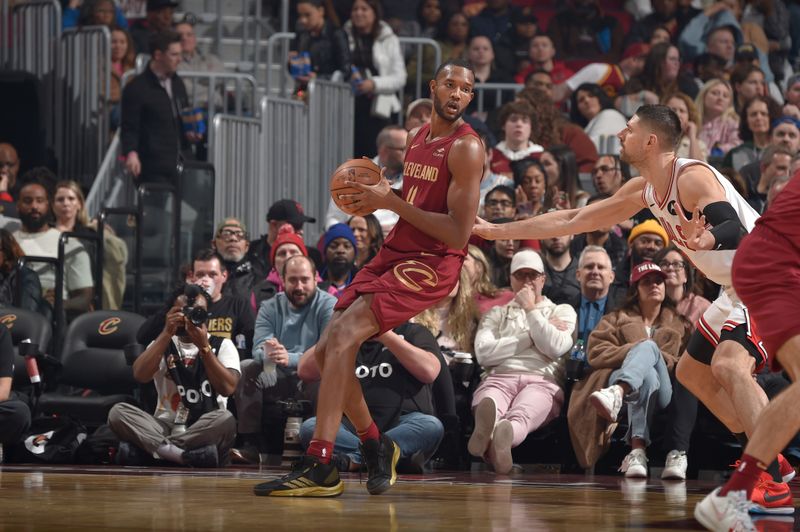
column 105, row 498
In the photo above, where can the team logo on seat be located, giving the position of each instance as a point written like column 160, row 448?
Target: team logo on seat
column 8, row 320
column 109, row 326
column 413, row 273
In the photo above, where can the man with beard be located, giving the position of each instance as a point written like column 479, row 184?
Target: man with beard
column 645, row 240
column 231, row 243
column 560, row 267
column 391, row 142
column 418, row 265
column 286, row 326
column 280, row 213
column 36, row 238
column 9, row 166
column 339, row 246
column 706, row 218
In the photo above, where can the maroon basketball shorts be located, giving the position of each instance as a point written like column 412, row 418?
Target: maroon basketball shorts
column 766, row 276
column 402, row 284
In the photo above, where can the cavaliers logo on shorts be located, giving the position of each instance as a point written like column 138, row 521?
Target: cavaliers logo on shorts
column 413, row 273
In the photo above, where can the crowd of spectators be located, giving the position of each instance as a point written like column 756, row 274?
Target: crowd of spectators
column 498, row 343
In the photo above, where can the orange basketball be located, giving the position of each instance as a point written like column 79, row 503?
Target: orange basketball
column 359, row 170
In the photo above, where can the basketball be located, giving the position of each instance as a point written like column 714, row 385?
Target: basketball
column 360, row 170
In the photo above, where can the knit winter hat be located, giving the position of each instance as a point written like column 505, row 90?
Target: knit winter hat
column 339, row 231
column 286, row 235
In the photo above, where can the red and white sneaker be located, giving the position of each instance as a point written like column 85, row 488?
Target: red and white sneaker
column 725, row 513
column 770, row 497
column 786, row 469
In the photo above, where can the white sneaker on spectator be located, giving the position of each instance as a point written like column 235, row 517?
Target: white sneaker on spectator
column 485, row 420
column 607, row 402
column 500, row 451
column 723, row 513
column 675, row 466
column 634, row 465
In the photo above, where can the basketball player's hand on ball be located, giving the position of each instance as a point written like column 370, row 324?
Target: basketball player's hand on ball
column 694, row 230
column 377, row 196
column 482, row 228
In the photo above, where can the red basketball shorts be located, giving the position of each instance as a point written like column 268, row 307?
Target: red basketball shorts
column 766, row 276
column 402, row 284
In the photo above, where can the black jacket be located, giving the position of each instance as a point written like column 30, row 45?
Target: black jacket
column 329, row 51
column 151, row 124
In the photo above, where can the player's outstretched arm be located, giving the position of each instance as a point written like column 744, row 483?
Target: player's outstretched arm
column 619, row 207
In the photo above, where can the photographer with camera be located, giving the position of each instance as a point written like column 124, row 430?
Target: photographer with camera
column 193, row 373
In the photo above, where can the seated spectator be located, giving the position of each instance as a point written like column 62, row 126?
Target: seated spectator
column 11, row 277
column 775, row 162
column 520, row 346
column 530, row 180
column 369, row 237
column 512, row 48
column 194, row 60
column 707, row 67
column 542, row 55
column 645, row 240
column 540, row 80
column 500, row 202
column 494, row 21
column 158, row 19
column 391, row 142
column 286, row 326
column 747, row 82
column 9, row 167
column 378, row 73
column 660, row 35
column 285, row 211
column 597, row 298
column 668, row 17
column 452, row 38
column 499, row 255
column 581, row 31
column 286, row 245
column 487, row 295
column 610, row 76
column 719, row 122
column 605, row 237
column 453, row 320
column 480, row 54
column 550, row 128
column 778, row 184
column 563, row 190
column 609, row 173
column 757, row 115
column 91, row 12
column 339, row 246
column 515, row 120
column 659, row 77
column 418, row 113
column 123, row 59
column 632, row 352
column 690, row 144
column 69, row 208
column 594, row 111
column 786, row 134
column 491, row 179
column 325, row 43
column 15, row 415
column 184, row 362
column 561, row 269
column 399, row 398
column 430, row 17
column 230, row 241
column 36, row 238
column 792, row 95
column 679, row 281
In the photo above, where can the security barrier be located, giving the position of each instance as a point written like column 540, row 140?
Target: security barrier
column 419, row 44
column 497, row 89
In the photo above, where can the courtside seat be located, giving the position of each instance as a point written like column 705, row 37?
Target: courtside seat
column 95, row 375
column 25, row 325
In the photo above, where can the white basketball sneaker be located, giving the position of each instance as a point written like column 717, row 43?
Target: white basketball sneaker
column 675, row 466
column 634, row 465
column 724, row 513
column 607, row 402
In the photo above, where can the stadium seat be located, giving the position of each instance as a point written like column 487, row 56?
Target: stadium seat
column 95, row 375
column 25, row 325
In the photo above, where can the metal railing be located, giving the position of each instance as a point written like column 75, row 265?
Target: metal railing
column 105, row 181
column 419, row 44
column 498, row 89
column 83, row 94
column 280, row 41
column 236, row 158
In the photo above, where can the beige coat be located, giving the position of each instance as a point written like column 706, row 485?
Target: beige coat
column 607, row 348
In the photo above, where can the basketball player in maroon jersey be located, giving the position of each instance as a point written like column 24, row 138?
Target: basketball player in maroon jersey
column 417, row 266
column 766, row 275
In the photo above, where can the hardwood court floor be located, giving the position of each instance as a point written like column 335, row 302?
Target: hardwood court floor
column 109, row 498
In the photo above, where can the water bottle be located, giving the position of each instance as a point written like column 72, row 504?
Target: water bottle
column 292, row 450
column 578, row 352
column 28, row 350
column 306, row 64
column 355, row 79
column 576, row 361
column 181, row 416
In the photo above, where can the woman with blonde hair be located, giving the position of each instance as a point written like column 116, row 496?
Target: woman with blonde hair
column 454, row 319
column 690, row 144
column 487, row 295
column 719, row 123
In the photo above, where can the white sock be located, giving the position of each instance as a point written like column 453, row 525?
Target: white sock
column 170, row 452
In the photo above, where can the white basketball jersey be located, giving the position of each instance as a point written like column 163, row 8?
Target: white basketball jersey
column 716, row 265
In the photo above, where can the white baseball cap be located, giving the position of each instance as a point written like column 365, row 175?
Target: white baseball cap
column 527, row 258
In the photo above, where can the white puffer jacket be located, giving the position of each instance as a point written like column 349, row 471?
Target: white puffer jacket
column 391, row 75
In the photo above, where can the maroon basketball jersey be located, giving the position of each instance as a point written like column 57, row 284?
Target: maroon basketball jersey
column 783, row 214
column 426, row 180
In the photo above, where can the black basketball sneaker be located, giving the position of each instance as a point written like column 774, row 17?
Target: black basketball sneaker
column 381, row 457
column 309, row 478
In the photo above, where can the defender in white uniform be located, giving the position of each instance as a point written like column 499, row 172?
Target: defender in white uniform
column 724, row 351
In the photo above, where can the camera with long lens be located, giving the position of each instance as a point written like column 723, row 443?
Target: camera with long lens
column 197, row 315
